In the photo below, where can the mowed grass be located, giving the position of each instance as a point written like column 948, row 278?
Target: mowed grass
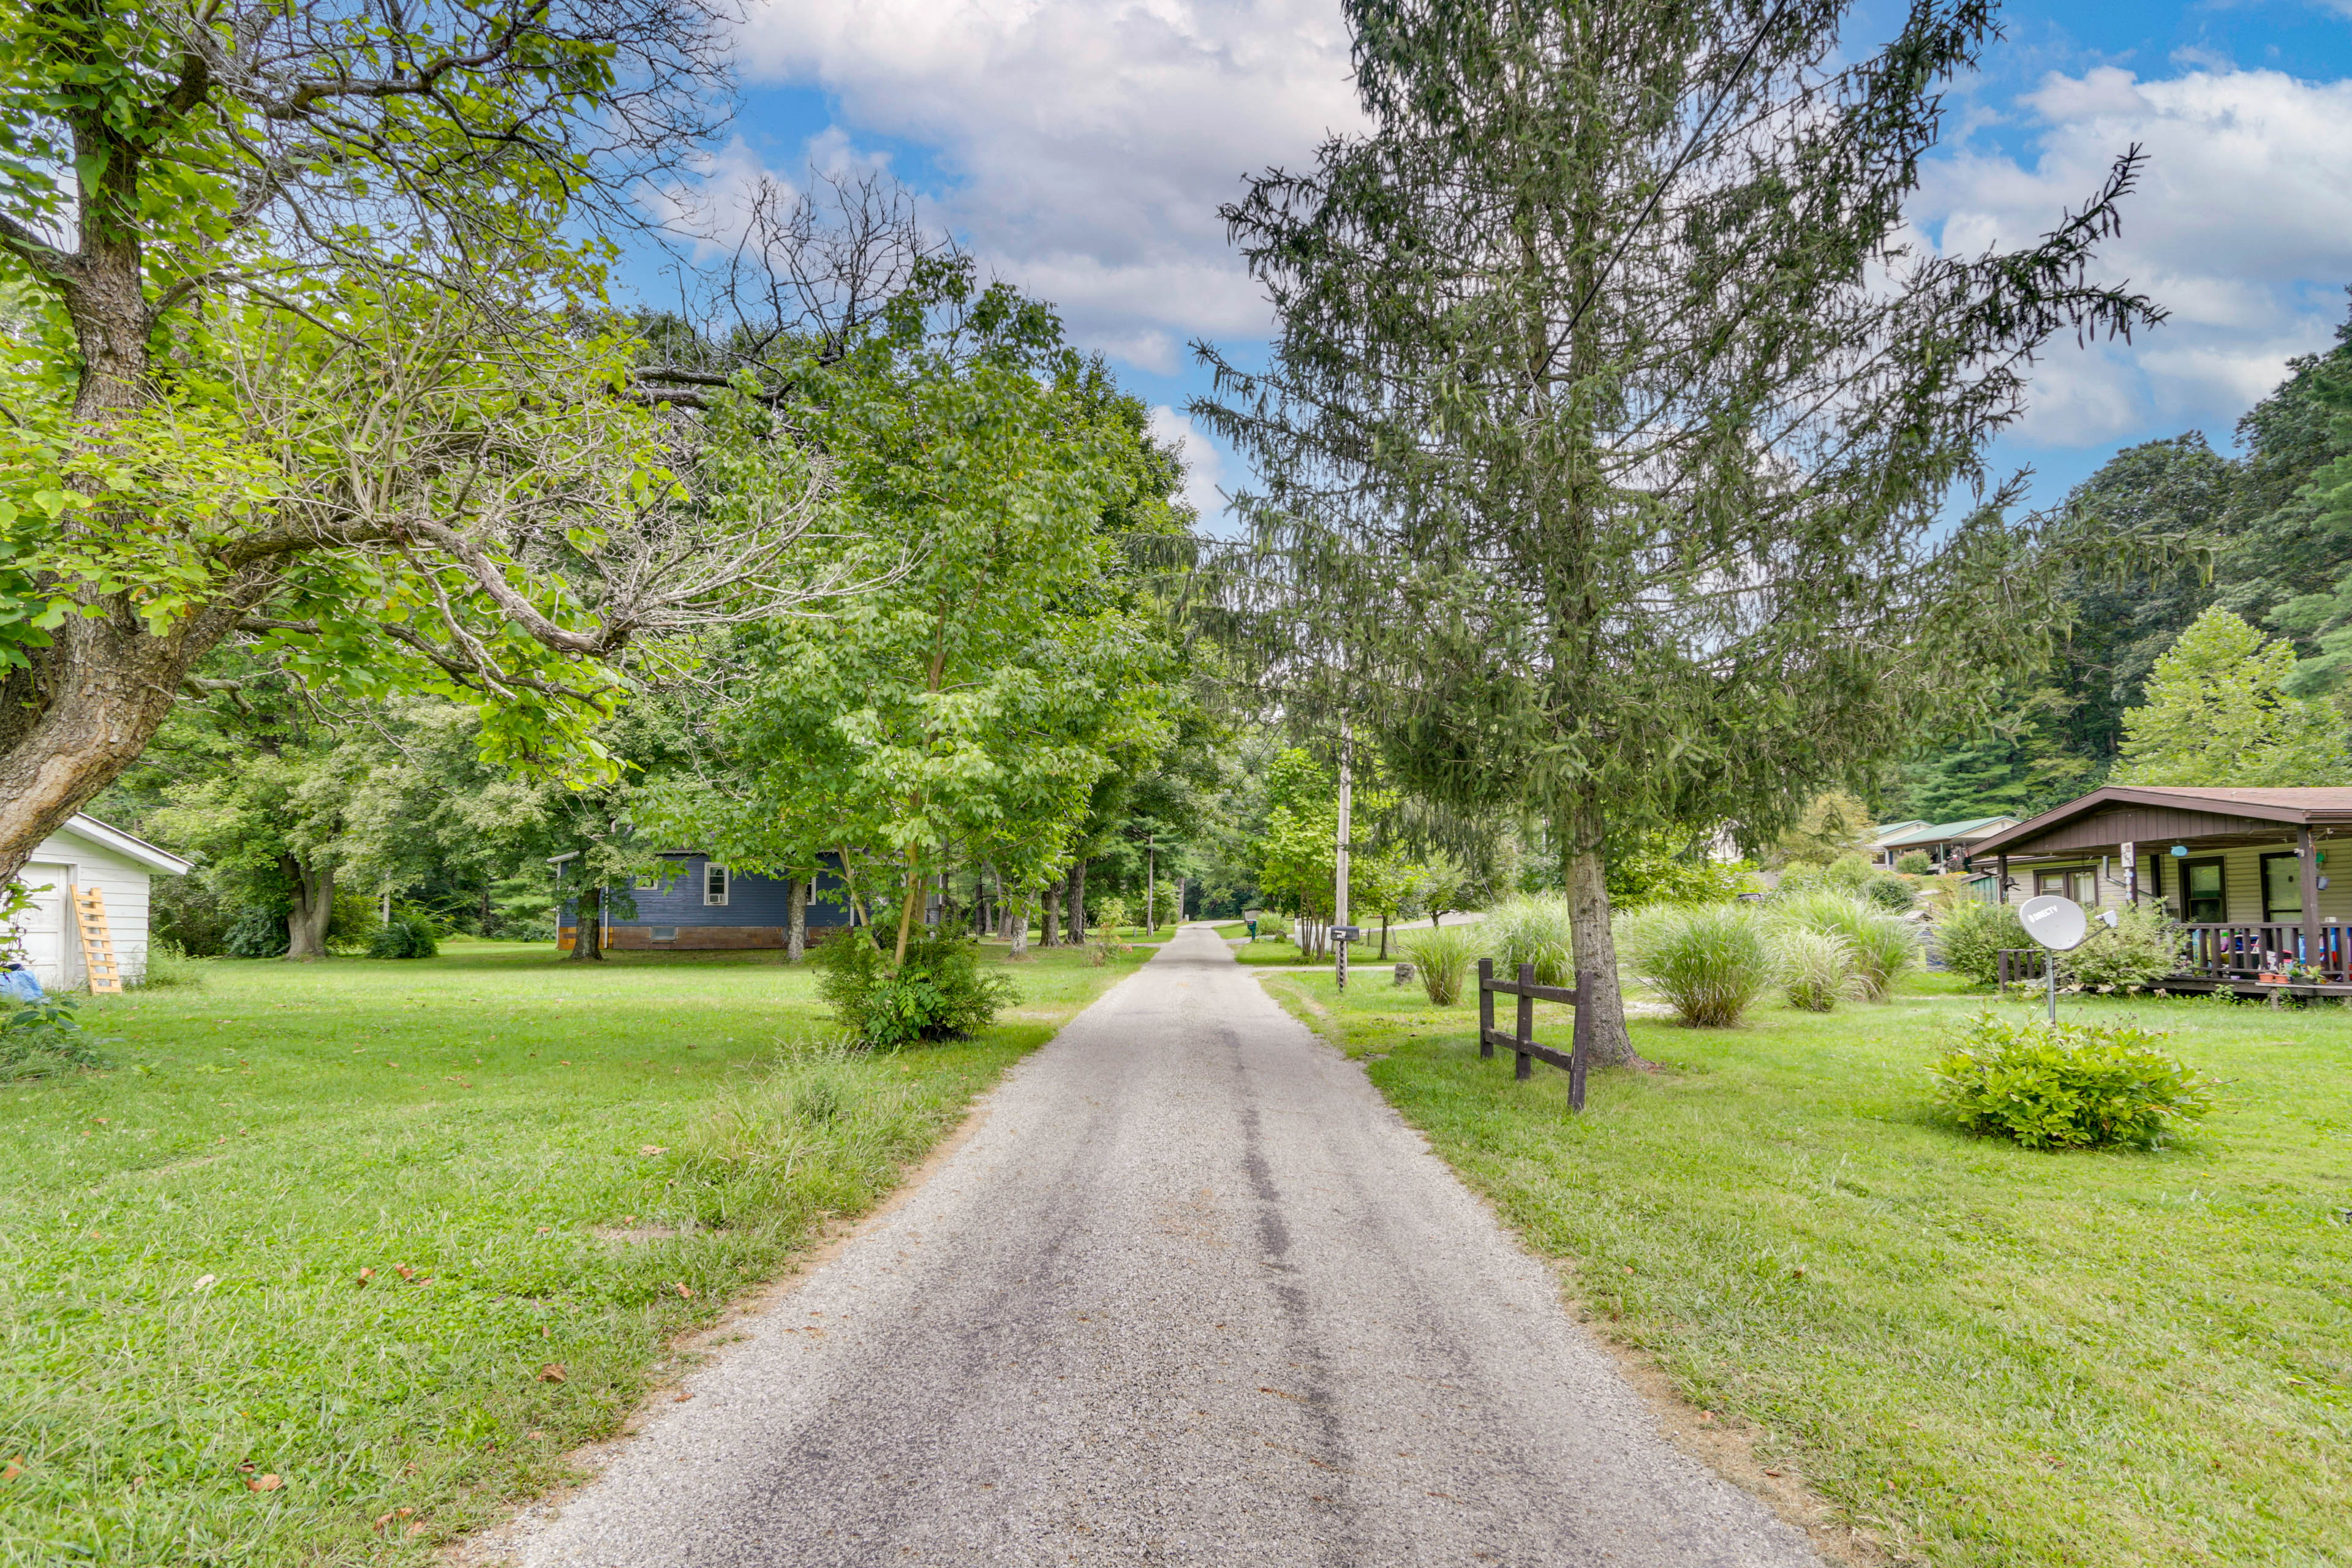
column 552, row 1169
column 1979, row 1354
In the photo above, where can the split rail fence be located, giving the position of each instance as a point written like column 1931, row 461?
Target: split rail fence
column 1522, row 1039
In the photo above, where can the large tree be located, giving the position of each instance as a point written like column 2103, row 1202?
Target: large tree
column 962, row 708
column 1611, row 434
column 2219, row 714
column 303, row 343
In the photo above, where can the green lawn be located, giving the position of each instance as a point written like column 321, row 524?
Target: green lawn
column 1981, row 1354
column 550, row 1168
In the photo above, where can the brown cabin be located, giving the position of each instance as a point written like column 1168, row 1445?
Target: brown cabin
column 2246, row 871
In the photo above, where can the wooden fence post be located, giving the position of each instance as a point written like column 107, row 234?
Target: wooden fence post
column 1585, row 989
column 1526, row 1031
column 1485, row 1007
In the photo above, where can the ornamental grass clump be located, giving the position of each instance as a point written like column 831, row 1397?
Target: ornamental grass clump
column 1532, row 929
column 1816, row 969
column 1711, row 962
column 1883, row 944
column 2067, row 1086
column 1444, row 959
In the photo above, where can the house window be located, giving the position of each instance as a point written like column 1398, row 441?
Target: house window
column 714, row 884
column 2081, row 885
column 649, row 884
column 2201, row 899
column 662, row 933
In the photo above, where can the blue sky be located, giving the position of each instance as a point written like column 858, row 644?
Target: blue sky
column 1080, row 147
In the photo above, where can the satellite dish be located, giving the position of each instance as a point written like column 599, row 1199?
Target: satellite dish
column 2056, row 923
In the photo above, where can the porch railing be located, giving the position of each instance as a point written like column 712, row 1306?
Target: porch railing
column 2241, row 949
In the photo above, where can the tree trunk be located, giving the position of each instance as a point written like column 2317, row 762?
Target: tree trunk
column 588, row 926
column 1017, row 924
column 1384, row 938
column 1586, row 876
column 81, row 710
column 1078, row 904
column 314, row 906
column 797, row 896
column 1050, row 934
column 907, row 911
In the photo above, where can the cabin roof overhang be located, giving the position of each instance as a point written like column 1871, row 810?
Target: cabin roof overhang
column 2115, row 815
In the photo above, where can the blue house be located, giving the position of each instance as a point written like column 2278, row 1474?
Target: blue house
column 697, row 902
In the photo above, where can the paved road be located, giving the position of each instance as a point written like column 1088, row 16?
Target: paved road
column 1192, row 1294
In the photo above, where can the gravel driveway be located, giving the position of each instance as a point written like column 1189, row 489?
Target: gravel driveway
column 1191, row 1294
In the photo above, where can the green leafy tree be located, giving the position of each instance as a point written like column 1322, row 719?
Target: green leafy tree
column 1833, row 823
column 969, row 700
column 304, row 344
column 1608, row 430
column 2218, row 714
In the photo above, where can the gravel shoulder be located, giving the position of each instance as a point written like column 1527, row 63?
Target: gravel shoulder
column 1189, row 1293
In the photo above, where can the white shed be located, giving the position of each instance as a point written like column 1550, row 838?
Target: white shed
column 87, row 853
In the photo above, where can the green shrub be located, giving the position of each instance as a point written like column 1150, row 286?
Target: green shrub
column 1914, row 863
column 1816, row 968
column 1108, row 914
column 1972, row 935
column 257, row 933
column 1854, row 876
column 939, row 994
column 2143, row 948
column 39, row 1039
column 1444, row 958
column 1884, row 944
column 403, row 936
column 1272, row 927
column 1532, row 928
column 1670, row 869
column 1710, row 961
column 2069, row 1086
column 169, row 967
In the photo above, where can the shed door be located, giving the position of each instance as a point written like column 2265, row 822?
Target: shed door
column 42, row 933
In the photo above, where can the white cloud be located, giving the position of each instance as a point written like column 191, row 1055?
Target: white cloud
column 1205, row 466
column 2242, row 227
column 1089, row 141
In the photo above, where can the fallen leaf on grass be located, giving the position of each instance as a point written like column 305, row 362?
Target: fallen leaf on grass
column 13, row 1468
column 655, row 1149
column 680, row 1398
column 685, row 1289
column 366, row 1275
column 417, row 1529
column 403, row 1271
column 268, row 1483
column 205, row 1282
column 551, row 1373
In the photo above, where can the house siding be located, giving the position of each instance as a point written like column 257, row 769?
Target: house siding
column 64, row 862
column 2241, row 877
column 755, row 915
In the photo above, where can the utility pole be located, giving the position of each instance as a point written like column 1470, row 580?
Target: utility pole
column 1339, row 932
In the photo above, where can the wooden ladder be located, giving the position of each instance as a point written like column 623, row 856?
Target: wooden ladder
column 96, row 941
